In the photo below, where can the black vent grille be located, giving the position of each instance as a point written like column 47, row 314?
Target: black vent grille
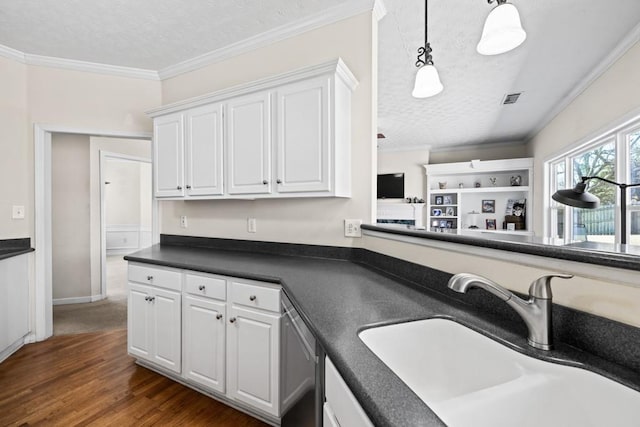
column 511, row 98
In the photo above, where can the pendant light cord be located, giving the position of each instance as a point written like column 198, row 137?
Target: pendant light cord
column 426, row 50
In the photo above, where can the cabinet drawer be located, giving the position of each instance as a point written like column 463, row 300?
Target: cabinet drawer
column 206, row 285
column 256, row 295
column 156, row 276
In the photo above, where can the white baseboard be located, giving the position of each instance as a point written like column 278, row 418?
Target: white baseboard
column 77, row 300
column 11, row 349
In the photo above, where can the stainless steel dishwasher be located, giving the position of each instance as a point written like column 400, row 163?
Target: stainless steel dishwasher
column 302, row 372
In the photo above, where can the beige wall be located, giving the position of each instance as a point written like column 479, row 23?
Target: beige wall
column 612, row 298
column 316, row 220
column 411, row 163
column 603, row 103
column 70, row 204
column 14, row 154
column 491, row 152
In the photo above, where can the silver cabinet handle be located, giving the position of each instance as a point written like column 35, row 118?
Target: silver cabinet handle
column 149, row 277
column 147, row 298
column 279, row 181
column 188, row 187
column 152, row 299
column 265, row 182
column 232, row 320
column 252, row 298
column 179, row 187
column 201, row 287
column 218, row 316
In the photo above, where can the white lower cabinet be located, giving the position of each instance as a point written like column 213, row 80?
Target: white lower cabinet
column 222, row 335
column 14, row 303
column 204, row 342
column 154, row 325
column 341, row 408
column 253, row 356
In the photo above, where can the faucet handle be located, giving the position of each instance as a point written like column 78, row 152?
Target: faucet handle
column 541, row 287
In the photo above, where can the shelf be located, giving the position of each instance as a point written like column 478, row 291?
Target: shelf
column 523, row 188
column 443, row 217
column 515, row 232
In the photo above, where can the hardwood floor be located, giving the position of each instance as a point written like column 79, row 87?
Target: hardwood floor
column 90, row 380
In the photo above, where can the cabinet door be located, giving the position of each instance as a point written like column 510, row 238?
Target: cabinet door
column 168, row 147
column 166, row 328
column 204, row 151
column 139, row 321
column 302, row 154
column 253, row 357
column 248, row 144
column 204, row 342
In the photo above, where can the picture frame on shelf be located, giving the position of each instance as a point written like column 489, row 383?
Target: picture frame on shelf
column 450, row 211
column 449, row 224
column 443, row 224
column 435, row 223
column 436, row 212
column 489, row 206
column 439, row 200
column 447, row 200
column 491, row 223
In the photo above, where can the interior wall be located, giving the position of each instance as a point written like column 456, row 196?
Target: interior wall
column 411, row 163
column 131, row 147
column 313, row 220
column 514, row 150
column 610, row 97
column 70, row 216
column 123, row 199
column 14, row 171
column 611, row 299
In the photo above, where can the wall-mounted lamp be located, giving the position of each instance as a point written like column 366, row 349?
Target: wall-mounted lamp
column 579, row 197
column 502, row 30
column 427, row 78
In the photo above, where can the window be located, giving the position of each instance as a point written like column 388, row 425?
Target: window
column 614, row 156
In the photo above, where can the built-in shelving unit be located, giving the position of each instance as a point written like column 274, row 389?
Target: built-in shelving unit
column 479, row 196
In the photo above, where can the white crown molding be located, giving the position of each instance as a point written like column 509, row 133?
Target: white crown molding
column 337, row 13
column 91, row 67
column 446, row 149
column 632, row 38
column 10, row 53
column 336, row 66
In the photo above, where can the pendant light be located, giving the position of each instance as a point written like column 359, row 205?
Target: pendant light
column 502, row 30
column 427, row 78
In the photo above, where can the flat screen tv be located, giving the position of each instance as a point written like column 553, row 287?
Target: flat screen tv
column 391, row 186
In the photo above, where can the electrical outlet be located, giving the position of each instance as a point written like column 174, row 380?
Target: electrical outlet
column 352, row 228
column 183, row 221
column 18, row 212
column 251, row 225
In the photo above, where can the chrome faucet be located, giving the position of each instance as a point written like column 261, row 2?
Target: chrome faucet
column 536, row 312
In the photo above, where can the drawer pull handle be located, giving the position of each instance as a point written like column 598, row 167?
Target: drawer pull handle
column 218, row 316
column 152, row 299
column 232, row 320
column 201, row 287
column 147, row 298
column 252, row 298
column 265, row 182
column 279, row 181
column 188, row 187
column 149, row 277
column 179, row 187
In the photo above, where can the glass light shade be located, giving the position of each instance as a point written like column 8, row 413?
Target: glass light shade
column 427, row 82
column 502, row 31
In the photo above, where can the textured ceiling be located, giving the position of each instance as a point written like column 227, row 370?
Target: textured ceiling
column 566, row 41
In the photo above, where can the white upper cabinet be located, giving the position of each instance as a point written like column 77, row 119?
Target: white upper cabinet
column 249, row 144
column 283, row 136
column 204, row 151
column 302, row 160
column 168, row 148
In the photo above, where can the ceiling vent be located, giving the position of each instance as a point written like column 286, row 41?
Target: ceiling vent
column 511, row 98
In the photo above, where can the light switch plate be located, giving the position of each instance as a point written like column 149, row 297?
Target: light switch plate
column 18, row 212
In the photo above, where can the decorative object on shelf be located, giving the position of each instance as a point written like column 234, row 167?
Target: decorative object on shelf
column 488, row 206
column 450, row 211
column 447, row 200
column 427, row 78
column 442, row 185
column 443, row 224
column 473, row 219
column 491, row 224
column 449, row 224
column 511, row 226
column 461, row 185
column 492, row 180
column 439, row 200
column 502, row 30
column 436, row 212
column 477, row 184
column 435, row 223
column 579, row 197
column 516, row 180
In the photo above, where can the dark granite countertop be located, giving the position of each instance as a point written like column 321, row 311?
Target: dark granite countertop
column 14, row 247
column 617, row 256
column 338, row 298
